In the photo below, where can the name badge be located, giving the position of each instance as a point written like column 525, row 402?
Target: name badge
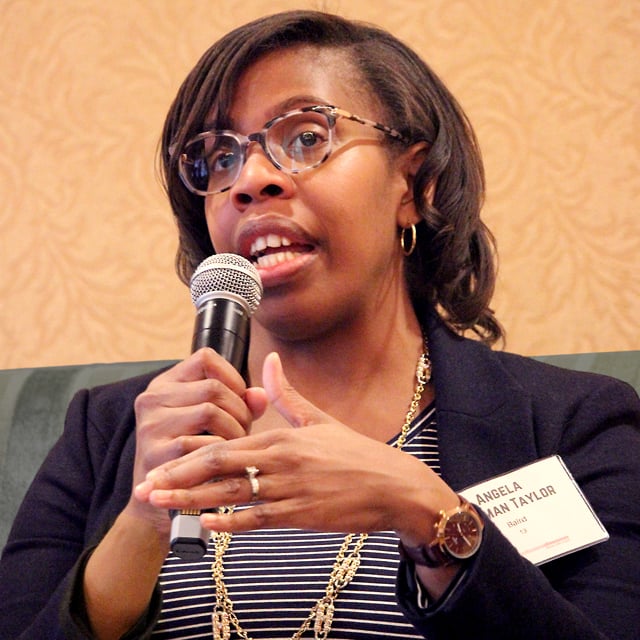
column 540, row 509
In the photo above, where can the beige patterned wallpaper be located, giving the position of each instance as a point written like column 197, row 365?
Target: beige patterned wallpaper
column 87, row 241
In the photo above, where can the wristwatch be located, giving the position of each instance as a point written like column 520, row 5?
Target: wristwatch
column 458, row 537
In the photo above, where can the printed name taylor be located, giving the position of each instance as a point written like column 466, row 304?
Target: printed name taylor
column 515, row 498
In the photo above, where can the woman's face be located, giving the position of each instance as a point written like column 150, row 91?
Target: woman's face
column 325, row 241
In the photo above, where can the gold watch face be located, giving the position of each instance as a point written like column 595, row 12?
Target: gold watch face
column 462, row 534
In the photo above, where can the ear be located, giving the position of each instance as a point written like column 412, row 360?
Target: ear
column 411, row 160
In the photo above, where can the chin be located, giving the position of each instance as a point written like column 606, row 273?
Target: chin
column 293, row 324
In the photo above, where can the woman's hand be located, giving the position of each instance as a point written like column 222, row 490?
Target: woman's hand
column 200, row 401
column 321, row 476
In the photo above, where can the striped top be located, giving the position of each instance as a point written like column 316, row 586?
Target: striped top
column 275, row 576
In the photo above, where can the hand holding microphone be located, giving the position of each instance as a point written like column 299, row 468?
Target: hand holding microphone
column 226, row 290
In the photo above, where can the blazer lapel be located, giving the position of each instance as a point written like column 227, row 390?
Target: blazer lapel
column 485, row 422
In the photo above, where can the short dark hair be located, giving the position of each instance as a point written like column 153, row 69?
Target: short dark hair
column 453, row 266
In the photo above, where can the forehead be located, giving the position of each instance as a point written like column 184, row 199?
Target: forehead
column 296, row 77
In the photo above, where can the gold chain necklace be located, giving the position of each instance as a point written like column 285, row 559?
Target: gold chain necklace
column 345, row 565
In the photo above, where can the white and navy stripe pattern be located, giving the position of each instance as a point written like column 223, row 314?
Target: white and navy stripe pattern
column 275, row 576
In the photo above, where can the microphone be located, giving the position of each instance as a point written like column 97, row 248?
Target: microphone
column 226, row 290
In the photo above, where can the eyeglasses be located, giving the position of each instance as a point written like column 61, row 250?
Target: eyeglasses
column 294, row 142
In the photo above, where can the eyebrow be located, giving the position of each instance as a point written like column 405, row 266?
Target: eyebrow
column 294, row 102
column 300, row 101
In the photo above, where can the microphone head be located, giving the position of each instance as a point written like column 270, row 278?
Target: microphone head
column 227, row 275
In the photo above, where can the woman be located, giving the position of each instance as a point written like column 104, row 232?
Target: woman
column 365, row 230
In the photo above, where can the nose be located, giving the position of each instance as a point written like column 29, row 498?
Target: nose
column 259, row 179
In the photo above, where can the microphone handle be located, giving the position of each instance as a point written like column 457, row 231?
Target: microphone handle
column 223, row 324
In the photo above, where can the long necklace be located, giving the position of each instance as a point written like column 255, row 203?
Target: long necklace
column 345, row 565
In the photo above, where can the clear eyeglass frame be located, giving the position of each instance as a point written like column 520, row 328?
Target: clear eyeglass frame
column 227, row 149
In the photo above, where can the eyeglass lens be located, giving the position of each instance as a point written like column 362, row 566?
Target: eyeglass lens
column 293, row 142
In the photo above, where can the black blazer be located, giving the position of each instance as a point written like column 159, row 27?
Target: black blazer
column 496, row 412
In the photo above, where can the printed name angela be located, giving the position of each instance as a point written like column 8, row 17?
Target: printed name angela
column 510, row 496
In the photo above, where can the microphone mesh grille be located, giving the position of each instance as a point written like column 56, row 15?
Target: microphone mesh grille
column 227, row 273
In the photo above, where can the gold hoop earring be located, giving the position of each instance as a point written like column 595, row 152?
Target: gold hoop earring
column 403, row 240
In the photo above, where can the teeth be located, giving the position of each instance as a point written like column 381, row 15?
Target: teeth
column 272, row 241
column 260, row 244
column 272, row 259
